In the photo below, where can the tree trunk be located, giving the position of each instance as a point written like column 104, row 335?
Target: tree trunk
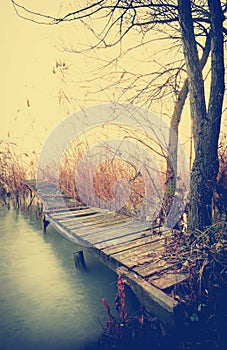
column 206, row 125
column 173, row 137
column 171, row 170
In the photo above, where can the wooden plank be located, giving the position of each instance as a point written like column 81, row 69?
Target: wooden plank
column 91, row 217
column 84, row 227
column 91, row 227
column 147, row 270
column 98, row 218
column 143, row 258
column 72, row 213
column 167, row 279
column 68, row 234
column 119, row 240
column 148, row 248
column 75, row 219
column 107, row 221
column 49, row 195
column 134, row 243
column 116, row 237
column 111, row 234
column 121, row 230
column 55, row 197
column 64, row 210
column 53, row 204
column 87, row 240
column 95, row 216
column 77, row 216
column 152, row 298
column 95, row 225
column 101, row 232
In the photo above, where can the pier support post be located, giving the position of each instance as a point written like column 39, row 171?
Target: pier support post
column 79, row 260
column 31, row 200
column 45, row 223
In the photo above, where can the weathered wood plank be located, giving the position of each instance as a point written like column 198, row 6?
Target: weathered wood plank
column 51, row 196
column 84, row 227
column 156, row 301
column 90, row 227
column 95, row 216
column 91, row 218
column 140, row 241
column 119, row 240
column 167, row 280
column 121, row 230
column 76, row 218
column 66, row 233
column 94, row 226
column 112, row 234
column 82, row 232
column 155, row 266
column 108, row 221
column 95, row 234
column 107, row 224
column 143, row 258
column 69, row 213
column 53, row 203
column 107, row 217
column 65, row 210
column 147, row 248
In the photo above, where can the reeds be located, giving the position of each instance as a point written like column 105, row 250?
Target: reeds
column 103, row 178
column 15, row 167
column 102, row 183
column 129, row 330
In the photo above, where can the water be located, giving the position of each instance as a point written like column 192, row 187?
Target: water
column 45, row 303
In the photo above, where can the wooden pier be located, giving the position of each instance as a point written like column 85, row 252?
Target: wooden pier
column 127, row 246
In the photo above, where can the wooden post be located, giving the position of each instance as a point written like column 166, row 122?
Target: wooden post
column 45, row 223
column 31, row 200
column 79, row 260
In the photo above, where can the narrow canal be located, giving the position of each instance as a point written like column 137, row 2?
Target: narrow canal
column 45, row 303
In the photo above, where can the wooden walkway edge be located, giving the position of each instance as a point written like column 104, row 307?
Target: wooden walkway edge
column 129, row 247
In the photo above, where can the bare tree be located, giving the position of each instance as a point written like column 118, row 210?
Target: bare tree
column 199, row 25
column 206, row 120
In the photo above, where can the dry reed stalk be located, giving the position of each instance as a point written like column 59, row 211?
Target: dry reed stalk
column 15, row 167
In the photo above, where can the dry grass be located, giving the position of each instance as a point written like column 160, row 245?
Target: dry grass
column 203, row 256
column 111, row 180
column 15, row 167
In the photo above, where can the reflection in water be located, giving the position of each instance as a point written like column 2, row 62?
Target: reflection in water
column 45, row 303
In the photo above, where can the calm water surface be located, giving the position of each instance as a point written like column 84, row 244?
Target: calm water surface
column 45, row 303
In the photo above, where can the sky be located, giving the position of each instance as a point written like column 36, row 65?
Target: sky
column 30, row 87
column 29, row 103
column 24, row 70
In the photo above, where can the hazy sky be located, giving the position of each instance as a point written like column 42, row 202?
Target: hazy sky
column 29, row 102
column 24, row 71
column 29, row 93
